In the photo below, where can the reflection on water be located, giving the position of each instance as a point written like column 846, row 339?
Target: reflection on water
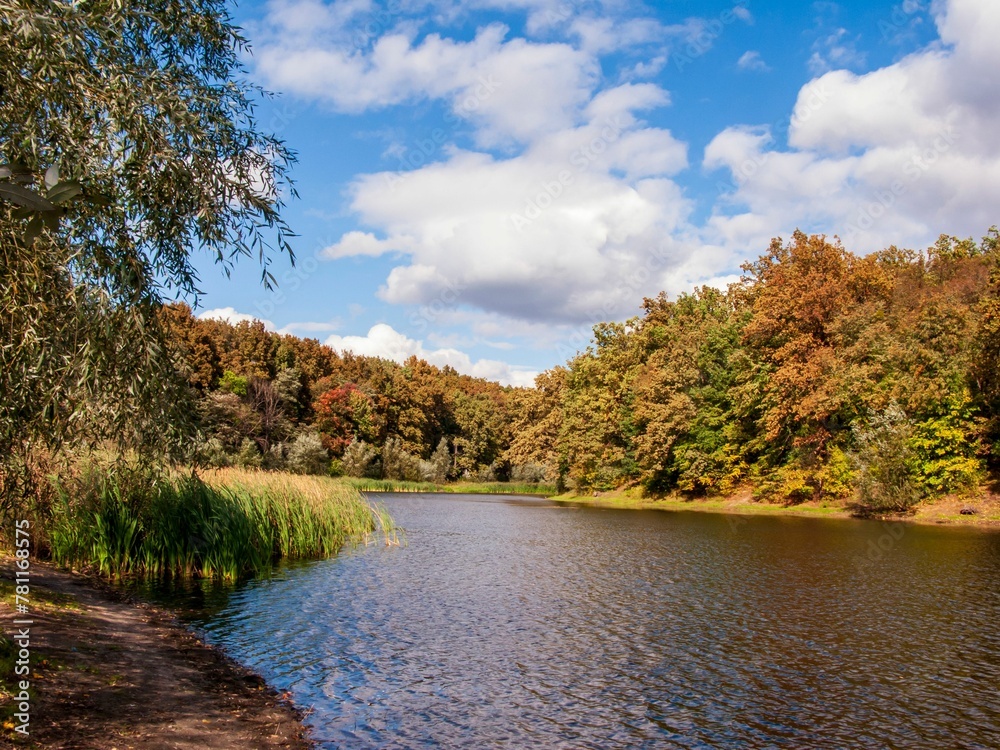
column 518, row 623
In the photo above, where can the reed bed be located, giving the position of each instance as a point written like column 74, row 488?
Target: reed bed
column 389, row 485
column 225, row 524
column 469, row 488
column 504, row 488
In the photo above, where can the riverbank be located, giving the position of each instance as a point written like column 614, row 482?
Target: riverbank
column 451, row 488
column 108, row 672
column 943, row 511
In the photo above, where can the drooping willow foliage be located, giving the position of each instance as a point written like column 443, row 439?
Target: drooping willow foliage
column 127, row 143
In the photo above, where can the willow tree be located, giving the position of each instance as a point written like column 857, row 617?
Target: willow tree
column 128, row 142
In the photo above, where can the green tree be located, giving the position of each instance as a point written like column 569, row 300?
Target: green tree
column 480, row 424
column 536, row 421
column 441, row 461
column 684, row 392
column 884, row 461
column 597, row 435
column 289, row 387
column 230, row 382
column 127, row 142
column 306, row 454
column 986, row 368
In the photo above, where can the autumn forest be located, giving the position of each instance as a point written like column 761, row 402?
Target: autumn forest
column 820, row 373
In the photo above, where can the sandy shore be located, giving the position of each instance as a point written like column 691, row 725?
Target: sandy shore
column 108, row 673
column 945, row 511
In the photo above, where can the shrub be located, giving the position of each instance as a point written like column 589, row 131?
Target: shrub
column 883, row 457
column 945, row 448
column 212, row 453
column 274, row 458
column 249, row 456
column 358, row 458
column 306, row 455
column 485, row 474
column 440, row 463
column 398, row 464
column 529, row 473
column 230, row 382
column 836, row 477
column 795, row 484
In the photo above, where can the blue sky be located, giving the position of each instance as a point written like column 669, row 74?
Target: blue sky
column 482, row 181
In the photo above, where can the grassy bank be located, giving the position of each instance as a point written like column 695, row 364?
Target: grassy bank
column 465, row 488
column 946, row 510
column 223, row 524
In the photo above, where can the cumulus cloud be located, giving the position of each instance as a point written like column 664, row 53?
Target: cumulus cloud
column 582, row 222
column 581, row 211
column 578, row 219
column 511, row 89
column 384, row 341
column 557, row 232
column 361, row 243
column 357, row 57
column 233, row 316
column 311, row 326
column 742, row 12
column 230, row 315
column 892, row 156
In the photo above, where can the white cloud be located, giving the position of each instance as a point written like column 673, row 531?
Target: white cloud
column 893, row 156
column 581, row 213
column 578, row 224
column 751, row 60
column 646, row 68
column 230, row 315
column 579, row 221
column 384, row 341
column 510, row 89
column 360, row 243
column 233, row 316
column 600, row 34
column 312, row 326
column 835, row 50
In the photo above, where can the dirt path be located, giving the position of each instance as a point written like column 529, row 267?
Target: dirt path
column 110, row 674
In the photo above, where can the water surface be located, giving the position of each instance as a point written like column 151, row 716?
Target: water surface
column 513, row 622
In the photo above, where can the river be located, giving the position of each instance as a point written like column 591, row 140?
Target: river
column 518, row 622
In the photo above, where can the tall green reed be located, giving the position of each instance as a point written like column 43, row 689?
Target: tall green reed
column 228, row 524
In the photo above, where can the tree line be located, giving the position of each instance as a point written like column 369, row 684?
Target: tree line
column 819, row 374
column 274, row 401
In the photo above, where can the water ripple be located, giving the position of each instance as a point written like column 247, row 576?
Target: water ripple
column 513, row 623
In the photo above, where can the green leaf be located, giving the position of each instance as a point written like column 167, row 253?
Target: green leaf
column 97, row 199
column 32, row 231
column 64, row 191
column 52, row 176
column 24, row 197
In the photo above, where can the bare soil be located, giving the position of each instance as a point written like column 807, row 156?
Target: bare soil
column 114, row 674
